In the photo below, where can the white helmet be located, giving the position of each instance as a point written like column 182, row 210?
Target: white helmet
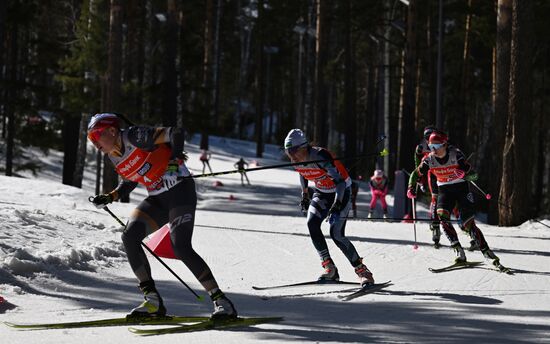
column 378, row 174
column 295, row 138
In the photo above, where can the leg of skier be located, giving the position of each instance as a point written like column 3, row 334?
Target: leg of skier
column 338, row 235
column 317, row 212
column 182, row 205
column 445, row 202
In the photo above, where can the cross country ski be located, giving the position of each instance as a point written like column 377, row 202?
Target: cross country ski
column 455, row 266
column 206, row 325
column 307, row 283
column 368, row 289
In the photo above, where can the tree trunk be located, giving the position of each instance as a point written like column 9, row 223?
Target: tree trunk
column 321, row 53
column 81, row 151
column 11, row 95
column 3, row 7
column 493, row 166
column 517, row 179
column 349, row 92
column 205, row 94
column 407, row 132
column 113, row 82
column 71, row 132
column 463, row 117
column 260, row 87
column 170, row 94
column 217, row 51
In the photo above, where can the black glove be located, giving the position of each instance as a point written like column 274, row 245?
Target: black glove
column 334, row 212
column 304, row 203
column 101, row 201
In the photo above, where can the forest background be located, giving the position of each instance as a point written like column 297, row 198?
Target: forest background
column 345, row 71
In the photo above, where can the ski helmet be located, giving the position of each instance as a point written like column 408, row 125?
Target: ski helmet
column 100, row 122
column 378, row 174
column 428, row 131
column 438, row 137
column 295, row 138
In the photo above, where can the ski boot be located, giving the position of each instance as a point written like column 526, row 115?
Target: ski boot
column 460, row 255
column 385, row 216
column 489, row 254
column 473, row 246
column 436, row 234
column 370, row 215
column 364, row 274
column 331, row 272
column 152, row 306
column 223, row 307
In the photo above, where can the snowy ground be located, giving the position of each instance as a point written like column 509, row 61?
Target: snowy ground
column 62, row 260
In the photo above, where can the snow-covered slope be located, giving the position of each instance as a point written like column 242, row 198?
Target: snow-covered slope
column 62, row 260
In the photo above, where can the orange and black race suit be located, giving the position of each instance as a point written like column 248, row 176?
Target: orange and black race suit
column 143, row 157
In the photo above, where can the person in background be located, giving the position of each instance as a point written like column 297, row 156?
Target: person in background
column 153, row 157
column 241, row 166
column 378, row 189
column 421, row 151
column 205, row 159
column 449, row 166
column 331, row 200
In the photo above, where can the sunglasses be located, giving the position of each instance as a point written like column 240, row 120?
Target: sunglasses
column 293, row 150
column 435, row 146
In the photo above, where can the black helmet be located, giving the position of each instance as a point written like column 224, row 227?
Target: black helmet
column 428, row 131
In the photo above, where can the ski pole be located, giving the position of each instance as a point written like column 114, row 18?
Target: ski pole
column 487, row 196
column 200, row 298
column 413, row 200
column 384, row 152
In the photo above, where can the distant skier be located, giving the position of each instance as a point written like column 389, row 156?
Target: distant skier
column 205, row 159
column 449, row 166
column 421, row 151
column 154, row 158
column 378, row 189
column 241, row 165
column 331, row 199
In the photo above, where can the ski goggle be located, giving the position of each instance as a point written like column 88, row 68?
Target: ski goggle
column 435, row 146
column 95, row 134
column 293, row 150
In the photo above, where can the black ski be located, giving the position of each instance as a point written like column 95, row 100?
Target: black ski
column 300, row 284
column 455, row 266
column 316, row 293
column 368, row 289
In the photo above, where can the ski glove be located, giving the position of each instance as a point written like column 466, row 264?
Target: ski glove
column 101, row 201
column 171, row 175
column 334, row 212
column 172, row 167
column 411, row 192
column 304, row 203
column 471, row 177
